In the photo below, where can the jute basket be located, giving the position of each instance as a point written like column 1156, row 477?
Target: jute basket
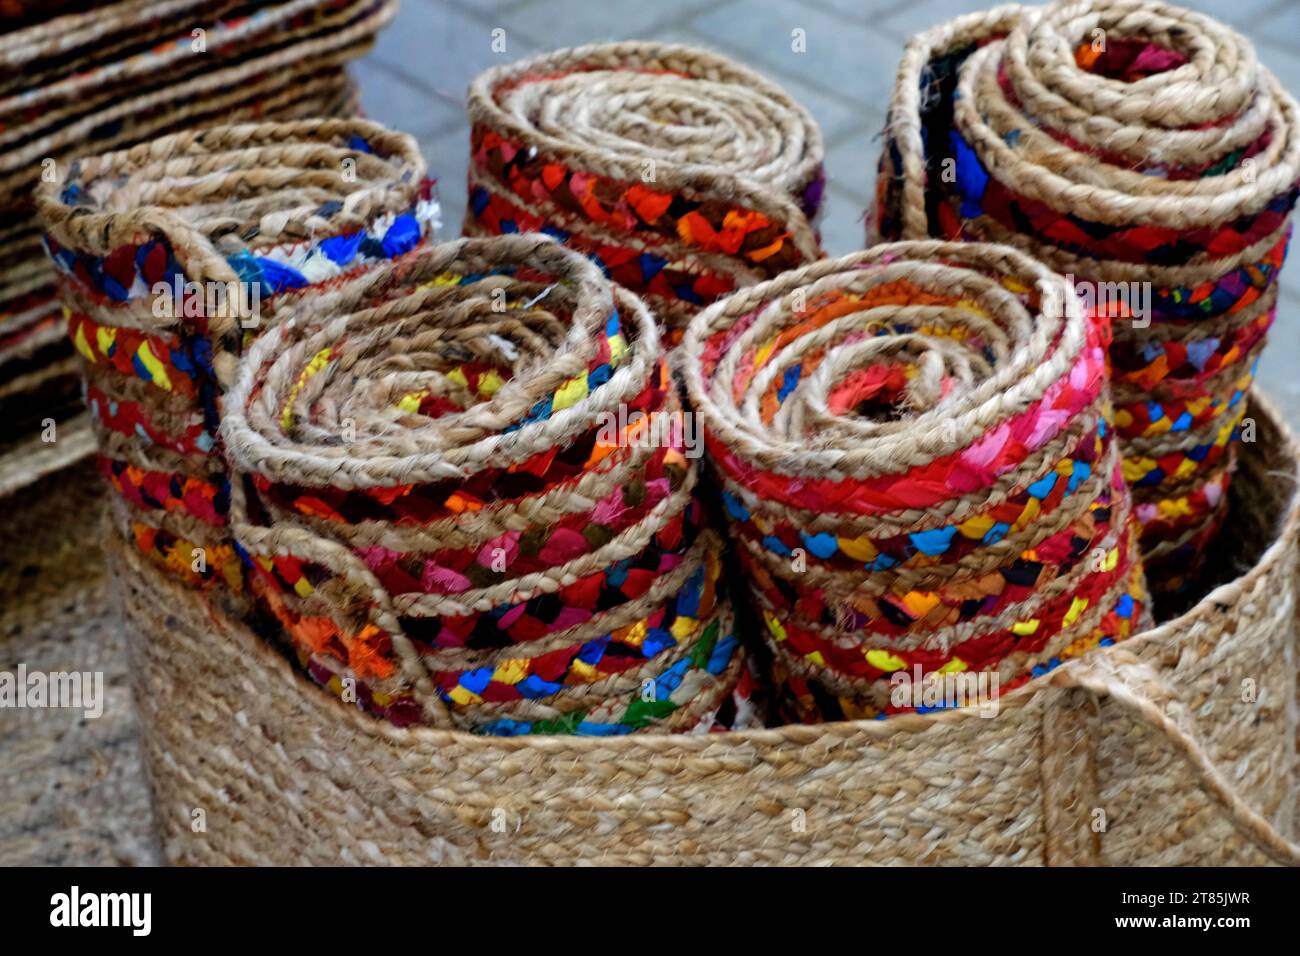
column 1145, row 753
column 1142, row 149
column 685, row 174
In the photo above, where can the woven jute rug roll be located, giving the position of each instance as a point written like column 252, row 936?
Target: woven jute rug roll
column 173, row 254
column 1142, row 150
column 96, row 80
column 683, row 173
column 1176, row 747
column 39, row 375
column 916, row 453
column 464, row 489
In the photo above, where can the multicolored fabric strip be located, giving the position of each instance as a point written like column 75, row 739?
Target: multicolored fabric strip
column 1172, row 223
column 132, row 272
column 919, row 466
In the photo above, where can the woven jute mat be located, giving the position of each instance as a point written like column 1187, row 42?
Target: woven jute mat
column 73, row 790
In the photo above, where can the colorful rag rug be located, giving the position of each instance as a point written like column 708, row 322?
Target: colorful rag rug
column 173, row 255
column 683, row 174
column 465, row 495
column 1141, row 150
column 917, row 456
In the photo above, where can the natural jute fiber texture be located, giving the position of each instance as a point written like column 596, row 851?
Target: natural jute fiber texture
column 1142, row 150
column 683, row 174
column 1155, row 733
column 173, row 254
column 916, row 455
column 74, row 792
column 468, row 501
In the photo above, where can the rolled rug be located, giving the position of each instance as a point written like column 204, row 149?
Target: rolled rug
column 297, row 79
column 40, row 377
column 174, row 254
column 464, row 489
column 1143, row 151
column 915, row 451
column 683, row 174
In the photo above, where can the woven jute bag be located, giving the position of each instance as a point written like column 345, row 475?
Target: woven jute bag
column 682, row 172
column 1177, row 747
column 1143, row 149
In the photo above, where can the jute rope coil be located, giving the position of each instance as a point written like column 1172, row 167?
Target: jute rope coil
column 915, row 449
column 469, row 499
column 206, row 88
column 1142, row 150
column 684, row 174
column 173, row 253
column 1154, row 739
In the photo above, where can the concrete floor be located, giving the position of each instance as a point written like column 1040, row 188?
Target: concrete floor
column 416, row 76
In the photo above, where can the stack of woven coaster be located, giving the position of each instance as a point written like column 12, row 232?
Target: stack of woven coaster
column 682, row 173
column 173, row 255
column 1142, row 150
column 467, row 496
column 916, row 453
column 103, row 78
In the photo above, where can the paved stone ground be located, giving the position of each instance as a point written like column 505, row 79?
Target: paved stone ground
column 415, row 80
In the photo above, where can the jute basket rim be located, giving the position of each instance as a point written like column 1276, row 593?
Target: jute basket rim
column 746, row 741
column 699, row 180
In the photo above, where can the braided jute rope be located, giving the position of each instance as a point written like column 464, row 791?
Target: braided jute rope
column 1119, row 142
column 683, row 173
column 446, row 505
column 1154, row 737
column 942, row 409
column 268, row 215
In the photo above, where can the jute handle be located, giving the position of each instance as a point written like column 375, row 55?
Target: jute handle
column 1128, row 681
